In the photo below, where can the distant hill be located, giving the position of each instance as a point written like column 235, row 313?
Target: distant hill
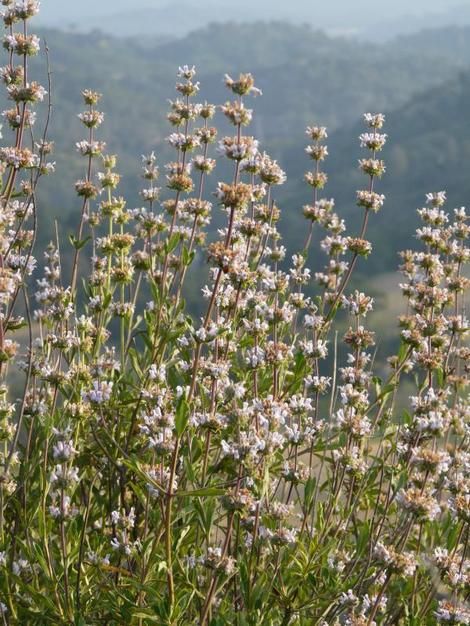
column 444, row 41
column 428, row 150
column 306, row 76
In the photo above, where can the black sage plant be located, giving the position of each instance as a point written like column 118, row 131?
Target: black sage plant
column 252, row 466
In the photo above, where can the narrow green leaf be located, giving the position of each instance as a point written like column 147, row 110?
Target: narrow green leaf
column 77, row 243
column 182, row 416
column 206, row 492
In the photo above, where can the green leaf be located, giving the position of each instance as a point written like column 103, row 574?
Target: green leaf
column 362, row 540
column 136, row 468
column 309, row 491
column 244, row 581
column 382, row 392
column 187, row 256
column 183, row 534
column 182, row 416
column 407, row 418
column 402, row 351
column 189, row 468
column 134, row 357
column 107, row 300
column 266, row 481
column 162, row 567
column 77, row 243
column 171, row 243
column 15, row 324
column 149, row 616
column 378, row 384
column 300, row 361
column 205, row 492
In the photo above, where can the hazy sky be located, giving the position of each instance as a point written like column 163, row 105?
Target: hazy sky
column 341, row 15
column 383, row 8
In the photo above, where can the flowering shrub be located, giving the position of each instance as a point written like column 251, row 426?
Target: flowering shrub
column 241, row 468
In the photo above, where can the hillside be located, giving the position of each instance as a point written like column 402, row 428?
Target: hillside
column 428, row 150
column 306, row 76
